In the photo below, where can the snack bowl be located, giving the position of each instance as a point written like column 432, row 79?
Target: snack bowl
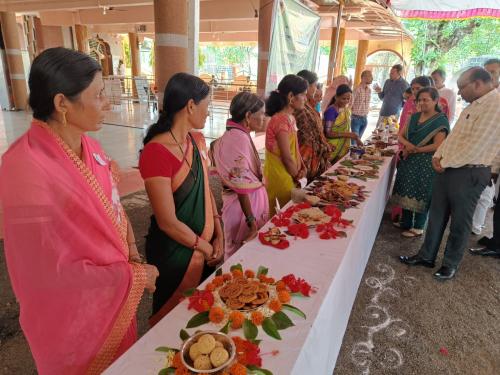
column 227, row 344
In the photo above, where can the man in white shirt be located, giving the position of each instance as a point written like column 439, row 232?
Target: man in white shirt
column 439, row 77
column 464, row 164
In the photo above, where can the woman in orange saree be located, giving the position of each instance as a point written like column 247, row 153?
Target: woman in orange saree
column 185, row 239
column 69, row 247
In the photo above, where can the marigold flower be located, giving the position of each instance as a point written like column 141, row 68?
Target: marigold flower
column 227, row 276
column 216, row 314
column 284, row 296
column 237, row 273
column 237, row 319
column 210, row 287
column 218, row 281
column 270, row 280
column 275, row 305
column 262, row 278
column 249, row 274
column 177, row 361
column 257, row 318
column 238, row 369
column 280, row 285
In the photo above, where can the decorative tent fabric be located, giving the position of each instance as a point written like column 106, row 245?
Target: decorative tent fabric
column 446, row 9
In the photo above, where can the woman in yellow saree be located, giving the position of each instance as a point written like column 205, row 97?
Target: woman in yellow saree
column 283, row 167
column 337, row 123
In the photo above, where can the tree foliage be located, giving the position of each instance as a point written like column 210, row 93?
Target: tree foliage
column 451, row 43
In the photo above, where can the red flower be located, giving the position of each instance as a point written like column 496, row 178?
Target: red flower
column 299, row 230
column 201, row 301
column 247, row 352
column 283, row 244
column 280, row 221
column 333, row 211
column 297, row 285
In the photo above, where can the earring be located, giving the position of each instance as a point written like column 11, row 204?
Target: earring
column 64, row 122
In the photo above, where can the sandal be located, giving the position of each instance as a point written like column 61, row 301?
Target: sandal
column 397, row 224
column 412, row 233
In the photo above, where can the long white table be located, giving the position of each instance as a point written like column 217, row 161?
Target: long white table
column 334, row 267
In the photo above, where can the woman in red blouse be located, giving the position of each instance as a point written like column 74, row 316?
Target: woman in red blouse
column 185, row 239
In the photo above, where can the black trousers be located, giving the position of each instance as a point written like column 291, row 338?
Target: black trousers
column 494, row 242
column 454, row 196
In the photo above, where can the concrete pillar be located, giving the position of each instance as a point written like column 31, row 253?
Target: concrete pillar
column 193, row 36
column 81, row 34
column 360, row 60
column 14, row 59
column 30, row 36
column 340, row 53
column 266, row 8
column 135, row 59
column 171, row 41
column 40, row 44
column 335, row 62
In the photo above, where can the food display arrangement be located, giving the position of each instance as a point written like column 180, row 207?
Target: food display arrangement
column 340, row 193
column 362, row 169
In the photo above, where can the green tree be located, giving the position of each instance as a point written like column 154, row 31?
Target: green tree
column 451, row 43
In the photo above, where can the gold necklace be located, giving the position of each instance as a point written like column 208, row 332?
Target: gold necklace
column 184, row 156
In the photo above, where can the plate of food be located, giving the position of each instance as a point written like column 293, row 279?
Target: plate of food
column 311, row 216
column 365, row 168
column 273, row 237
column 208, row 352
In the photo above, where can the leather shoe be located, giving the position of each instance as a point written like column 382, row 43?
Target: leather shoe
column 416, row 261
column 445, row 273
column 485, row 241
column 484, row 251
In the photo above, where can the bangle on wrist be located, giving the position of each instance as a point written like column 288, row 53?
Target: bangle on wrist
column 196, row 243
column 249, row 220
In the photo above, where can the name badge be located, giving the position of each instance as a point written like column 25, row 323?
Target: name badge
column 99, row 159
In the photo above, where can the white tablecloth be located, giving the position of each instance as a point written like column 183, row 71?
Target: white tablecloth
column 334, row 267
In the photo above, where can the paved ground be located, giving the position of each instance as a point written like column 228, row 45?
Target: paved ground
column 401, row 318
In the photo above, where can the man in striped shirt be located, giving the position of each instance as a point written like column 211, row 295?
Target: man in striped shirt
column 361, row 104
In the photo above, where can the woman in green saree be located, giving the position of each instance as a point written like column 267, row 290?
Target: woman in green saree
column 185, row 239
column 412, row 191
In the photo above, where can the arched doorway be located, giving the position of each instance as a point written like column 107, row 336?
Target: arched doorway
column 380, row 63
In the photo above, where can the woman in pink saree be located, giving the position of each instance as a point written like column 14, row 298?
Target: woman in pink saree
column 246, row 206
column 70, row 249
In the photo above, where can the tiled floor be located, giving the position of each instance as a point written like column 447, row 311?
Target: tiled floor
column 122, row 133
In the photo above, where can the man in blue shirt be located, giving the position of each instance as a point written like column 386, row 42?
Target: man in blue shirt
column 392, row 93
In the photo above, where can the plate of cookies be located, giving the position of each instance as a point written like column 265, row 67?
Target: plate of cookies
column 244, row 294
column 208, row 352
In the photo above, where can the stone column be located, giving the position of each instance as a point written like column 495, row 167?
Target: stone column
column 360, row 60
column 40, row 45
column 265, row 21
column 171, row 41
column 193, row 36
column 14, row 59
column 340, row 53
column 135, row 59
column 81, row 34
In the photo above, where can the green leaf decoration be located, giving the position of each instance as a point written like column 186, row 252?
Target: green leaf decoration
column 250, row 330
column 236, row 267
column 256, row 342
column 282, row 320
column 218, row 272
column 184, row 335
column 189, row 292
column 270, row 328
column 294, row 310
column 166, row 349
column 254, row 370
column 198, row 320
column 225, row 329
column 262, row 271
column 297, row 294
column 167, row 371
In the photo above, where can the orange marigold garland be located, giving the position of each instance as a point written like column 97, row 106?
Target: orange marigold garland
column 275, row 305
column 257, row 318
column 284, row 296
column 237, row 319
column 238, row 369
column 216, row 314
